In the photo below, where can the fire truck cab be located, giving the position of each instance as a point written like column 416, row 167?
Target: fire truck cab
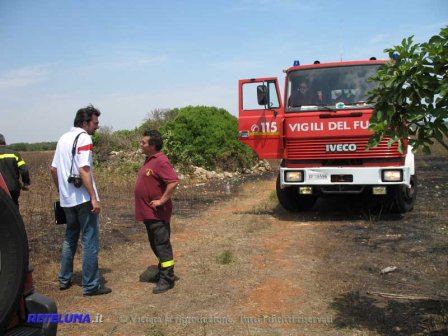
column 320, row 131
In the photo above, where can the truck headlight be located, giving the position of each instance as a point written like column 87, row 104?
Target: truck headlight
column 294, row 176
column 392, row 175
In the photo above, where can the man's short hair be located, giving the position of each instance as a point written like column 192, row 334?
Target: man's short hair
column 2, row 140
column 85, row 114
column 155, row 138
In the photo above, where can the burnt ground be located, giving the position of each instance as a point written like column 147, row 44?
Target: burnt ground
column 247, row 267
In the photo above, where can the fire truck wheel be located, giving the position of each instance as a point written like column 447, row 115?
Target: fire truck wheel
column 13, row 259
column 405, row 197
column 291, row 200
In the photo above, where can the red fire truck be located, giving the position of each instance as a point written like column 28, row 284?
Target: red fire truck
column 320, row 132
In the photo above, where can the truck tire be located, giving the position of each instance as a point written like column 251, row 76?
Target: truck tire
column 13, row 259
column 290, row 199
column 404, row 197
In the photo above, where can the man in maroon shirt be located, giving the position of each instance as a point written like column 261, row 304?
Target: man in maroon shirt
column 156, row 182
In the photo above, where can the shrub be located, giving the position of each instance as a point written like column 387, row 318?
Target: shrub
column 106, row 141
column 207, row 137
column 194, row 135
column 157, row 118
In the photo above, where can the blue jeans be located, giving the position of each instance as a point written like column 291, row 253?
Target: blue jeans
column 81, row 221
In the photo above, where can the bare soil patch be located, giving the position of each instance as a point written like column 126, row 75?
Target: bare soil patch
column 313, row 273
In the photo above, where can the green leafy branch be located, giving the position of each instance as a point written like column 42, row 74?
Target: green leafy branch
column 411, row 101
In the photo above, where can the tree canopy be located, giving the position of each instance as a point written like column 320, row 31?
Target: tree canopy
column 411, row 100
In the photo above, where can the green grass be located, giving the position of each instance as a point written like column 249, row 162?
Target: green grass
column 226, row 258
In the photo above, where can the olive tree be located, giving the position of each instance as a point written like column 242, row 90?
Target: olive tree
column 411, row 101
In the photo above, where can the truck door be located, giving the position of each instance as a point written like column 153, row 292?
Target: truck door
column 260, row 122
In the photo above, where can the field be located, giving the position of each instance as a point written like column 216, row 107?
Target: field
column 247, row 267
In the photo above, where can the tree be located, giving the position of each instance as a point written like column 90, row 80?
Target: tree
column 411, row 100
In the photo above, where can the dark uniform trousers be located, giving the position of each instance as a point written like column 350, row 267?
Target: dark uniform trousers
column 15, row 194
column 159, row 239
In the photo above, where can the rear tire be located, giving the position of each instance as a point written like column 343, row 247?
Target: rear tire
column 404, row 198
column 13, row 259
column 290, row 199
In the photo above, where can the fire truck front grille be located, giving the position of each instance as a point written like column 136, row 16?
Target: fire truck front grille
column 328, row 149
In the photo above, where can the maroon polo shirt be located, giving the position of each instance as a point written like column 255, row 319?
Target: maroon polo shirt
column 152, row 179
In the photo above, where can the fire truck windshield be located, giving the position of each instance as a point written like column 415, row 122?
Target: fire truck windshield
column 340, row 87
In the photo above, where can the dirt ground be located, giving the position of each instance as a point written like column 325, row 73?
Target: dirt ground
column 247, row 267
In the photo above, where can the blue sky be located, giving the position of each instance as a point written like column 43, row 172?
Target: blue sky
column 129, row 57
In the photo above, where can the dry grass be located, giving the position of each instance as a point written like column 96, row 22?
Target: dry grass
column 312, row 264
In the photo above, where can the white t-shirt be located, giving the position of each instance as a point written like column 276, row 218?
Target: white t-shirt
column 69, row 195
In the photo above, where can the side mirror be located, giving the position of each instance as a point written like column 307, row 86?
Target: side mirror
column 262, row 94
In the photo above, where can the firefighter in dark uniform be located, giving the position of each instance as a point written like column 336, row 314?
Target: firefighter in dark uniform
column 13, row 167
column 156, row 182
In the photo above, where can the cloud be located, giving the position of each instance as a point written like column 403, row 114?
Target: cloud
column 23, row 77
column 376, row 39
column 133, row 61
column 126, row 57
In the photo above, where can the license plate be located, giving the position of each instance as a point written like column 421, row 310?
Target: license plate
column 317, row 177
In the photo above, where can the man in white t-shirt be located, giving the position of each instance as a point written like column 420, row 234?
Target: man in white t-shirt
column 72, row 172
